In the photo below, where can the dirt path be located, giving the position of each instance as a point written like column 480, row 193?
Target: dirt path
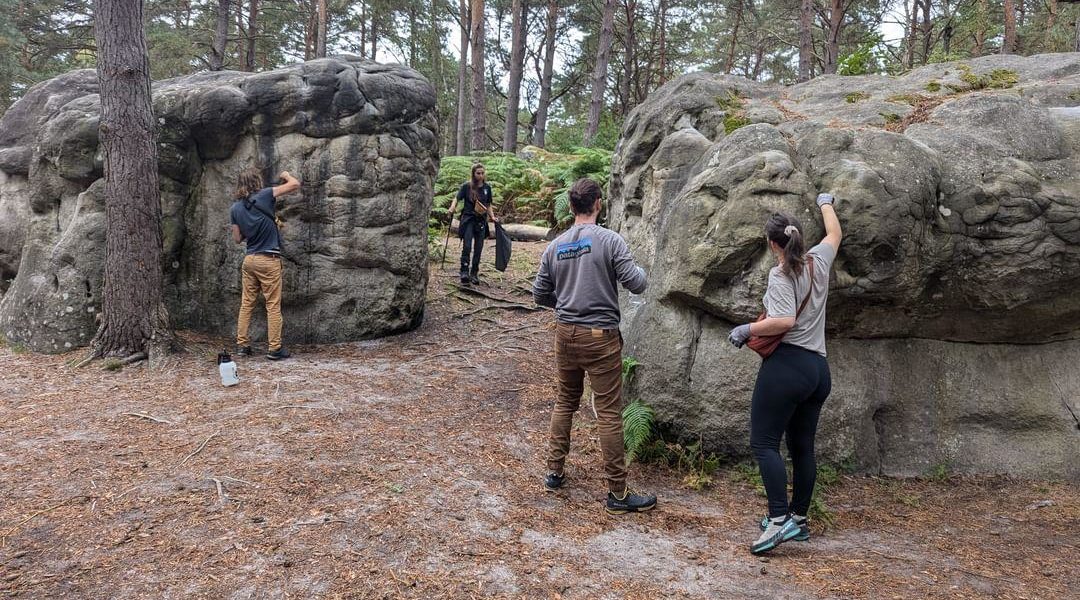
column 410, row 467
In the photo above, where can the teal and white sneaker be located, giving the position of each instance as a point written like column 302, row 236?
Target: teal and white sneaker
column 804, row 528
column 775, row 534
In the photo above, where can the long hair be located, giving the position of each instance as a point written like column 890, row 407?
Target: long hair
column 249, row 182
column 474, row 185
column 787, row 232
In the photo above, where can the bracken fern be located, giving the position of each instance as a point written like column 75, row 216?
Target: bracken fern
column 638, row 420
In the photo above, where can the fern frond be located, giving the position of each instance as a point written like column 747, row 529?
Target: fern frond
column 638, row 420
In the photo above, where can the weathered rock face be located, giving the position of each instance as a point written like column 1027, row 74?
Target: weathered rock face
column 360, row 136
column 954, row 323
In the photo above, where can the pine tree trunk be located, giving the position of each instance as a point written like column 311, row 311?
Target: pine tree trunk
column 134, row 318
column 320, row 40
column 633, row 75
column 600, row 72
column 982, row 26
column 252, row 35
column 663, row 42
column 374, row 35
column 927, row 31
column 806, row 40
column 729, row 64
column 517, row 68
column 479, row 89
column 221, row 36
column 832, row 36
column 1009, row 44
column 462, row 142
column 544, row 104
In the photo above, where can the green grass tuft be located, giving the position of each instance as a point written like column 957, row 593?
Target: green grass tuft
column 933, row 86
column 854, row 97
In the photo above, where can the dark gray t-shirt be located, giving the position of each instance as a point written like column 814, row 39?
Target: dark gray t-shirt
column 259, row 230
column 579, row 272
column 786, row 293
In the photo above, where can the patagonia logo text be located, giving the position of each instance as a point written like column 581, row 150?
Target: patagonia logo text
column 571, row 250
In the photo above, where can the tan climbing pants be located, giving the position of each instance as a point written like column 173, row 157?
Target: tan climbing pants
column 598, row 352
column 261, row 273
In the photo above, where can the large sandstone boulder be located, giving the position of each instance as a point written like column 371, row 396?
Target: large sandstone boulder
column 360, row 136
column 954, row 322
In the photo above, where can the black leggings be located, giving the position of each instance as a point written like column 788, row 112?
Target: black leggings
column 791, row 388
column 473, row 235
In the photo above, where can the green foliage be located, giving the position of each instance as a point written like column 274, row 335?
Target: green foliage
column 854, row 97
column 911, row 99
column 891, row 118
column 629, row 366
column 730, row 101
column 939, row 472
column 863, row 61
column 699, row 466
column 524, row 191
column 734, row 121
column 933, row 86
column 638, row 421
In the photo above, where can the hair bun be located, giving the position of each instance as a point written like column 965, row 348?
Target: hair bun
column 791, row 230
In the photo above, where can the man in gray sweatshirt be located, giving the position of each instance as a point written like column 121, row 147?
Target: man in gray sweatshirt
column 578, row 275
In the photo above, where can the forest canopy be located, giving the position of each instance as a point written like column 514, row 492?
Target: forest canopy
column 553, row 73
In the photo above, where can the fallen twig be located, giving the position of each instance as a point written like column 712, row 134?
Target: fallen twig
column 145, row 416
column 220, row 491
column 310, row 407
column 200, row 448
column 41, row 512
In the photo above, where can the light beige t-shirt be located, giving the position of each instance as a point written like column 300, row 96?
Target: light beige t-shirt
column 786, row 293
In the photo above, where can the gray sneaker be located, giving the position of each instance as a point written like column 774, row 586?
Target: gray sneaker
column 804, row 528
column 774, row 535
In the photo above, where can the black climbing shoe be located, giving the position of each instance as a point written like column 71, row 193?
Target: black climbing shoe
column 554, row 481
column 243, row 351
column 464, row 278
column 278, row 354
column 630, row 502
column 804, row 528
column 473, row 279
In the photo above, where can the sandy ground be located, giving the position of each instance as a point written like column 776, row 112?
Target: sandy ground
column 410, row 467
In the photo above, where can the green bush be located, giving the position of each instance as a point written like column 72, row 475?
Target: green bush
column 524, row 191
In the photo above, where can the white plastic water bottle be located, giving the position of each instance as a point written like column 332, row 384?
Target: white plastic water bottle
column 227, row 368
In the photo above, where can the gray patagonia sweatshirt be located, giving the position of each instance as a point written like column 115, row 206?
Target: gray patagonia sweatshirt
column 579, row 272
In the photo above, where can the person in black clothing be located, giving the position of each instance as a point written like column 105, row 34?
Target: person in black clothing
column 475, row 198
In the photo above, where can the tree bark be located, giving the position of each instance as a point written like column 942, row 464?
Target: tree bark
column 517, row 68
column 600, row 72
column 133, row 315
column 832, row 36
column 1076, row 41
column 927, row 30
column 1009, row 44
column 462, row 142
column 663, row 42
column 479, row 89
column 221, row 36
column 806, row 40
column 320, row 39
column 252, row 35
column 729, row 64
column 374, row 35
column 544, row 104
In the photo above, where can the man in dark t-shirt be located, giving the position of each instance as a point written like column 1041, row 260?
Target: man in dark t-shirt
column 253, row 221
column 475, row 197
